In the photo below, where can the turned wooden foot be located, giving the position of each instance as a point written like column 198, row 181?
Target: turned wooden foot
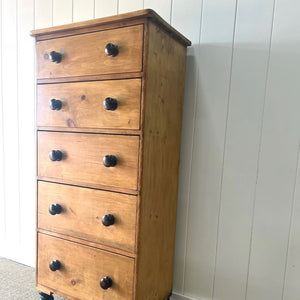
column 44, row 296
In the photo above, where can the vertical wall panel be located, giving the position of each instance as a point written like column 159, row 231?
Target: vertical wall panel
column 83, row 10
column 130, row 5
column 215, row 63
column 105, row 8
column 10, row 125
column 246, row 103
column 186, row 18
column 278, row 158
column 291, row 284
column 43, row 13
column 214, row 210
column 62, row 12
column 163, row 8
column 26, row 109
column 2, row 199
column 192, row 30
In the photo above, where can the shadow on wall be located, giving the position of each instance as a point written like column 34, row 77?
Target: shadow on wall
column 209, row 78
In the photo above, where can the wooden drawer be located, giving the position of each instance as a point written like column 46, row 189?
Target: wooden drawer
column 82, row 268
column 83, row 154
column 82, row 104
column 85, row 54
column 82, row 212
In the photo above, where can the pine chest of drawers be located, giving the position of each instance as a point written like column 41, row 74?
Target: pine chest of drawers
column 109, row 110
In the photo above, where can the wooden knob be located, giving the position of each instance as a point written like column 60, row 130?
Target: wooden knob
column 106, row 282
column 55, row 209
column 109, row 160
column 55, row 265
column 55, row 104
column 55, row 155
column 110, row 103
column 111, row 50
column 108, row 220
column 55, row 57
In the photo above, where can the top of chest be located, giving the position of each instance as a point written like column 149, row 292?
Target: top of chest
column 111, row 45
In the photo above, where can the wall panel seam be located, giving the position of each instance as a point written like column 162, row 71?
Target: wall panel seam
column 260, row 146
column 34, row 3
column 72, row 11
column 192, row 151
column 3, row 160
column 94, row 9
column 224, row 145
column 171, row 11
column 52, row 12
column 291, row 222
column 18, row 116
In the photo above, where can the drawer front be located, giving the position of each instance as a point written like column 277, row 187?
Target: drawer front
column 82, row 158
column 82, row 104
column 85, row 54
column 82, row 268
column 82, row 213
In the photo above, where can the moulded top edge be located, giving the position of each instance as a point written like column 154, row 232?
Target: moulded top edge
column 140, row 14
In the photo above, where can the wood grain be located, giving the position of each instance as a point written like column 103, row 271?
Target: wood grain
column 91, row 77
column 160, row 161
column 96, row 28
column 82, row 212
column 83, row 104
column 85, row 54
column 87, row 243
column 47, row 290
column 82, row 158
column 147, row 164
column 91, row 130
column 82, row 269
column 91, row 185
column 123, row 19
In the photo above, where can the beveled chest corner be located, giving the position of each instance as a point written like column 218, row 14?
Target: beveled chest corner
column 109, row 112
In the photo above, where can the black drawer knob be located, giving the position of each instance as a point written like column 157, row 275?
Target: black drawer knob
column 106, row 282
column 110, row 103
column 55, row 209
column 55, row 155
column 111, row 50
column 109, row 160
column 55, row 265
column 108, row 220
column 55, row 57
column 55, row 104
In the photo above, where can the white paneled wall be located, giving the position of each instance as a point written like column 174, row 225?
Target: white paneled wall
column 238, row 228
column 17, row 202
